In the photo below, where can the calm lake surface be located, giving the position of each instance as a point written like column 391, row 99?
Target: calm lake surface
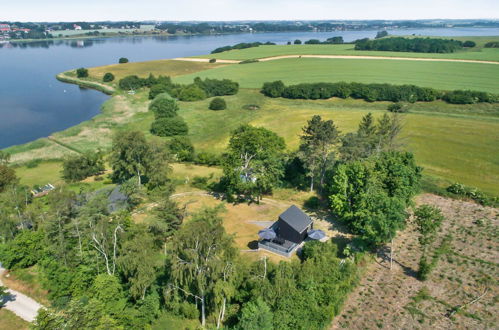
column 34, row 104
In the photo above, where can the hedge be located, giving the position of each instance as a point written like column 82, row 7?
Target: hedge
column 373, row 92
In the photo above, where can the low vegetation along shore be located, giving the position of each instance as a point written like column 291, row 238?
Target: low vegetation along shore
column 189, row 147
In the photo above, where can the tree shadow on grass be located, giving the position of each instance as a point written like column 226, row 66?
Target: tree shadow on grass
column 383, row 253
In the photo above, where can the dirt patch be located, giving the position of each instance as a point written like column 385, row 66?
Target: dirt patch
column 395, row 299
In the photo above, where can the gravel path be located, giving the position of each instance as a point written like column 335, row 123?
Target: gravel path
column 355, row 57
column 20, row 304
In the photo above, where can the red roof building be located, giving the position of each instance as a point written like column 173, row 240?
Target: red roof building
column 4, row 27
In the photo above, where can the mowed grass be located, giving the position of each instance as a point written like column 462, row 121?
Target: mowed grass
column 453, row 148
column 476, row 53
column 439, row 75
column 9, row 321
column 143, row 69
column 45, row 172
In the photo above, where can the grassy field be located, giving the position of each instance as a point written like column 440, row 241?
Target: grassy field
column 454, row 143
column 45, row 172
column 9, row 321
column 395, row 299
column 143, row 69
column 439, row 75
column 457, row 149
column 476, row 53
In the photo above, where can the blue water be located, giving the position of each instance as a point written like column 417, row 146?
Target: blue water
column 34, row 104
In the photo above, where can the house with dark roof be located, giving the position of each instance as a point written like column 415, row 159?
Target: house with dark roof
column 293, row 225
column 290, row 230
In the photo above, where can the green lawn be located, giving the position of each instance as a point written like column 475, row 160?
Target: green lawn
column 9, row 321
column 45, row 172
column 439, row 75
column 476, row 53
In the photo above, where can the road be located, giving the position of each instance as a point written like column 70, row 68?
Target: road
column 20, row 304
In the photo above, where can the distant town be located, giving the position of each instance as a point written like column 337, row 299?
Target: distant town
column 47, row 30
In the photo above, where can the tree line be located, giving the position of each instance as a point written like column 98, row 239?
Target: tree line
column 417, row 45
column 374, row 92
column 242, row 45
column 199, row 90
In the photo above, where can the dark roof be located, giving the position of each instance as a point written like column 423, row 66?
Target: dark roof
column 296, row 218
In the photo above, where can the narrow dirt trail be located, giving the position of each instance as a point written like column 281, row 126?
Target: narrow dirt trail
column 354, row 57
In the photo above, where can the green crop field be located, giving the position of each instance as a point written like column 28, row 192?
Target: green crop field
column 143, row 69
column 476, row 53
column 439, row 75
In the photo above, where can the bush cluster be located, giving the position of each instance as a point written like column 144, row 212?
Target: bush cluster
column 108, row 77
column 368, row 92
column 472, row 193
column 468, row 97
column 469, row 44
column 218, row 103
column 329, row 41
column 79, row 167
column 169, row 126
column 492, row 44
column 199, row 90
column 373, row 92
column 253, row 60
column 241, row 45
column 164, row 106
column 417, row 45
column 181, row 147
column 123, row 60
column 82, row 73
column 398, row 107
column 135, row 82
column 217, row 87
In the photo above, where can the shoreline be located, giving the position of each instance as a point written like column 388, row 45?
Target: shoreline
column 166, row 34
column 108, row 90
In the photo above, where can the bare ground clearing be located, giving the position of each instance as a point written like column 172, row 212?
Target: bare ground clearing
column 395, row 299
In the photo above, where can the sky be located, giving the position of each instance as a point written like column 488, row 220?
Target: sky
column 220, row 10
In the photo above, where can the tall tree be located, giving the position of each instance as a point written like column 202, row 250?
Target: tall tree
column 253, row 163
column 202, row 256
column 166, row 220
column 129, row 155
column 317, row 141
column 7, row 174
column 139, row 262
